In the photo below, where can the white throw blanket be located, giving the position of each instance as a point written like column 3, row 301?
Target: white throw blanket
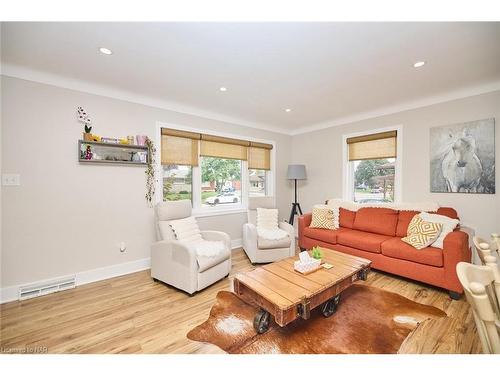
column 206, row 248
column 271, row 234
column 187, row 231
column 267, row 224
column 353, row 206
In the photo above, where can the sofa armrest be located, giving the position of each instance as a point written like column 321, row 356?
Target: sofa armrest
column 456, row 249
column 287, row 228
column 291, row 232
column 304, row 221
column 212, row 235
column 250, row 241
column 175, row 251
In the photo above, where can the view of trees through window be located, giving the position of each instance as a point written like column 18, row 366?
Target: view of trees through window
column 374, row 180
column 220, row 181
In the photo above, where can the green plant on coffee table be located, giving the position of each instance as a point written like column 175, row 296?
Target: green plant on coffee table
column 316, row 252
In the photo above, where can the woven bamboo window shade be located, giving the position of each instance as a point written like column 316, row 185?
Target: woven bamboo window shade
column 373, row 146
column 179, row 147
column 259, row 156
column 222, row 147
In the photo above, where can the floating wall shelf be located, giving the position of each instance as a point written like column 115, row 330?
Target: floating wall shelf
column 111, row 153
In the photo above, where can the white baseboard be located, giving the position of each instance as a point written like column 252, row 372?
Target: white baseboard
column 236, row 243
column 10, row 293
column 115, row 270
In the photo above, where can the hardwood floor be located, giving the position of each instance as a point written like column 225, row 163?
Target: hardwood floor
column 133, row 314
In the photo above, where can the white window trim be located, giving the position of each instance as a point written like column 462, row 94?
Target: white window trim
column 348, row 170
column 198, row 210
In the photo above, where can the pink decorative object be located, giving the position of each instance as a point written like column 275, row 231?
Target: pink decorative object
column 141, row 140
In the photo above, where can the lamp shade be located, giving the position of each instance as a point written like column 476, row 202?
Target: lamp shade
column 296, row 172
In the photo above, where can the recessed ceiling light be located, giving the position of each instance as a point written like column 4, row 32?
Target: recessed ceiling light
column 223, row 89
column 418, row 64
column 105, row 51
column 288, row 110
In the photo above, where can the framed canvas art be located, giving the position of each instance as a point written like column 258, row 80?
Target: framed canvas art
column 462, row 157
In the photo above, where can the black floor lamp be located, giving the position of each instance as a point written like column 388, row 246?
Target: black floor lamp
column 296, row 172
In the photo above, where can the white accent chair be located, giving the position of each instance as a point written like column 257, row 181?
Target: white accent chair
column 482, row 290
column 260, row 250
column 176, row 262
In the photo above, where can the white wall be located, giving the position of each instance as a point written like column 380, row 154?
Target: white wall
column 67, row 217
column 321, row 151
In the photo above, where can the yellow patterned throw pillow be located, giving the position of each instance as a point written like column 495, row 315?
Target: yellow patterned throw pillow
column 421, row 233
column 322, row 218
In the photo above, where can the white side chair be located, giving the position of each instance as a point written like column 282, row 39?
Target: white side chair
column 482, row 248
column 260, row 250
column 482, row 290
column 176, row 262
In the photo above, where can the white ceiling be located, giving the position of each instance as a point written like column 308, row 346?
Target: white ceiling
column 324, row 72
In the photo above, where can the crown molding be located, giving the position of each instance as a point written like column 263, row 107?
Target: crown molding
column 20, row 72
column 424, row 102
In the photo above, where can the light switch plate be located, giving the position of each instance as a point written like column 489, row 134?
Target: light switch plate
column 9, row 179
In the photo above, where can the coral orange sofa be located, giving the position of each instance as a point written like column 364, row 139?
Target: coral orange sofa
column 375, row 234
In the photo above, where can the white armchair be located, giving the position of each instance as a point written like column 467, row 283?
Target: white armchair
column 260, row 250
column 176, row 263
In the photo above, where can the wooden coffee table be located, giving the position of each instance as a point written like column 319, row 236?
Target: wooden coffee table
column 286, row 294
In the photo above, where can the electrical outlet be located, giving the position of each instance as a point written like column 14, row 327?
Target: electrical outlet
column 9, row 179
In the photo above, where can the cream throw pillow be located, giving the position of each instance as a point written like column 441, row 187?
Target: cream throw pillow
column 267, row 218
column 421, row 233
column 323, row 217
column 186, row 229
column 448, row 226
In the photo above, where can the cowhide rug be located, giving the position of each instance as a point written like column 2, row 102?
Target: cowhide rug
column 368, row 320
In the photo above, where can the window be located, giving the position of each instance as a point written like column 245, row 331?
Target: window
column 257, row 181
column 177, row 182
column 220, row 181
column 215, row 173
column 372, row 167
column 374, row 180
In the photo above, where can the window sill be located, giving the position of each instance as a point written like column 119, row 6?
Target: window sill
column 218, row 212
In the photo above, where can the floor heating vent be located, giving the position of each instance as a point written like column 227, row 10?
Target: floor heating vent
column 36, row 290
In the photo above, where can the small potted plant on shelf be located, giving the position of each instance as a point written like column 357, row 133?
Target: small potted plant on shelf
column 84, row 118
column 316, row 252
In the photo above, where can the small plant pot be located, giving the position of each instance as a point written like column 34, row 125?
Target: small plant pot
column 87, row 137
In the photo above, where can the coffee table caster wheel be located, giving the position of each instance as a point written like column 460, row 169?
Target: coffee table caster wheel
column 330, row 306
column 261, row 321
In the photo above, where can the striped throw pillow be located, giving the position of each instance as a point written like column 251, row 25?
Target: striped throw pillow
column 322, row 218
column 421, row 233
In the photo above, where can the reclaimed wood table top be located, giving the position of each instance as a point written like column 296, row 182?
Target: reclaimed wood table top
column 278, row 287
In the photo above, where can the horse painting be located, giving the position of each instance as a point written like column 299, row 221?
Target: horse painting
column 462, row 158
column 462, row 169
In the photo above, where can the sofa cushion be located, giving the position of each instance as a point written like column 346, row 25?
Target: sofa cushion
column 376, row 220
column 204, row 263
column 264, row 243
column 325, row 235
column 395, row 248
column 361, row 240
column 346, row 218
column 404, row 218
column 448, row 211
